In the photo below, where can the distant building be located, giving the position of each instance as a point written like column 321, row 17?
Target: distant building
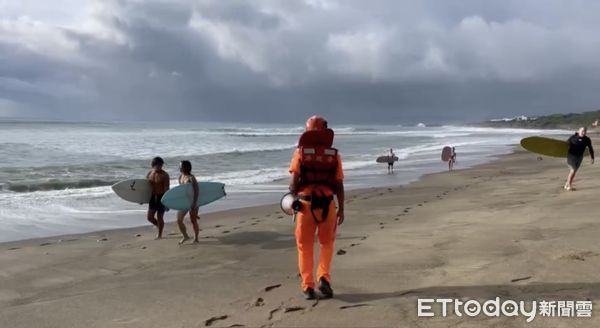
column 514, row 119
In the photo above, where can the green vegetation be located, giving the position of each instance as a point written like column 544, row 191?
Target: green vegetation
column 554, row 121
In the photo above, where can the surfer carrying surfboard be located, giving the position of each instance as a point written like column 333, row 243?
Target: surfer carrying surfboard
column 159, row 180
column 452, row 159
column 577, row 145
column 317, row 176
column 185, row 167
column 391, row 161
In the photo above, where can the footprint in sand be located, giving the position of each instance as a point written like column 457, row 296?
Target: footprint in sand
column 242, row 221
column 341, row 252
column 270, row 288
column 226, row 231
column 14, row 248
column 354, row 244
column 363, row 238
column 292, row 309
column 272, row 312
column 46, row 244
column 521, row 279
column 579, row 256
column 253, row 223
column 218, row 226
column 286, row 309
column 212, row 320
column 344, row 307
column 259, row 302
column 280, row 217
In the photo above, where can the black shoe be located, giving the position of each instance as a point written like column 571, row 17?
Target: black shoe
column 309, row 294
column 325, row 288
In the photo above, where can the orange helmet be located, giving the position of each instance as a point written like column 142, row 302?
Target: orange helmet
column 317, row 123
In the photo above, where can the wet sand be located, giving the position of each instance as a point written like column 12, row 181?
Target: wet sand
column 504, row 229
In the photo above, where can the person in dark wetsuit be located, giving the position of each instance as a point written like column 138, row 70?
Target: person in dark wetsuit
column 159, row 180
column 577, row 145
column 390, row 163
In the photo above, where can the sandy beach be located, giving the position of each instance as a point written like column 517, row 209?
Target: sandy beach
column 503, row 229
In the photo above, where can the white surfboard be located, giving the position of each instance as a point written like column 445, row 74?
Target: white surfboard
column 134, row 190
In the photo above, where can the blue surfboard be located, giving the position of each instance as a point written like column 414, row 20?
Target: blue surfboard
column 180, row 197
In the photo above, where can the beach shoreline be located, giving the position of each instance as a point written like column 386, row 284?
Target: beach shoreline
column 501, row 229
column 229, row 210
column 51, row 185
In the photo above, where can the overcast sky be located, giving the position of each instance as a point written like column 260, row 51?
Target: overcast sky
column 280, row 60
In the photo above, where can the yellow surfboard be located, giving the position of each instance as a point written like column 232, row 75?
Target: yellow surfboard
column 547, row 146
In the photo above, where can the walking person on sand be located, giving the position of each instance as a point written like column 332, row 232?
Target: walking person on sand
column 317, row 176
column 159, row 181
column 577, row 145
column 185, row 167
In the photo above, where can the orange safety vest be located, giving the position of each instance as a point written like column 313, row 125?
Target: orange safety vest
column 318, row 166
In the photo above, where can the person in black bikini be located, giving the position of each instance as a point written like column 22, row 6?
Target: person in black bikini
column 185, row 167
column 159, row 180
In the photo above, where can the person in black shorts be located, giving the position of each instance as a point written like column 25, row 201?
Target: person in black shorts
column 159, row 180
column 577, row 145
column 391, row 156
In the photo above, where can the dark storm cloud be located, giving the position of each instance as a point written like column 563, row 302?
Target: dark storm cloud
column 379, row 61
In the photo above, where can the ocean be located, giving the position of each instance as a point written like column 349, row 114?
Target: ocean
column 55, row 177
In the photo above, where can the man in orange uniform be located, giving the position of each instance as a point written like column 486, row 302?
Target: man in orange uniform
column 317, row 176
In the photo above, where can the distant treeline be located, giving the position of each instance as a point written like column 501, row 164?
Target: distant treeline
column 554, row 121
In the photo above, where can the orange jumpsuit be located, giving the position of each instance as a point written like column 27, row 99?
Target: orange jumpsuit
column 306, row 228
